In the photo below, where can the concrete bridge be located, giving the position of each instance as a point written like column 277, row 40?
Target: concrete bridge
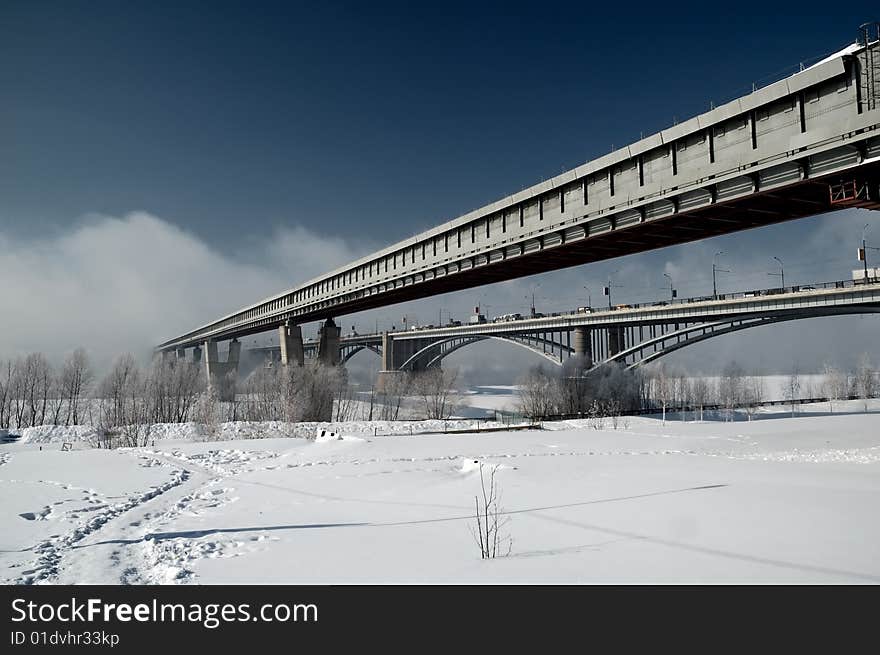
column 804, row 145
column 631, row 335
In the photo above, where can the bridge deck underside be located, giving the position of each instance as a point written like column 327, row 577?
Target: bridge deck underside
column 799, row 200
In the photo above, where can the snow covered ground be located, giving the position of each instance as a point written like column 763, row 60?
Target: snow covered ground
column 776, row 499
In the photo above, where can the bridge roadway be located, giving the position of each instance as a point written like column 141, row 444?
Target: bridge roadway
column 632, row 335
column 804, row 145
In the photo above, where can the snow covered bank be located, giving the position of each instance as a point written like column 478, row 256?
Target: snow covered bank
column 772, row 500
column 46, row 434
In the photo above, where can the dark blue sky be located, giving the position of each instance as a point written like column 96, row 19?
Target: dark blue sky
column 230, row 119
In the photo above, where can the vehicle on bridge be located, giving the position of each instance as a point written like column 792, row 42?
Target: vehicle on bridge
column 507, row 317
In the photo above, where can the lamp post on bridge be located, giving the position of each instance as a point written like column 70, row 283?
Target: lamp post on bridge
column 714, row 270
column 863, row 251
column 589, row 297
column 532, row 307
column 781, row 272
column 607, row 289
column 672, row 293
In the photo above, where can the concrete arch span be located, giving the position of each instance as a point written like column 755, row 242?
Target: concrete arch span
column 448, row 346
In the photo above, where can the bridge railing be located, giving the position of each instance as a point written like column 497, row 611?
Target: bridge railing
column 733, row 295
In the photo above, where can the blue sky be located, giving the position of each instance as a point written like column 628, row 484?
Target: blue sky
column 381, row 118
column 242, row 129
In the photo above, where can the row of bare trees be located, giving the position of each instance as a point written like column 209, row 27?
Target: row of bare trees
column 611, row 389
column 606, row 391
column 130, row 398
column 33, row 393
column 291, row 394
column 317, row 392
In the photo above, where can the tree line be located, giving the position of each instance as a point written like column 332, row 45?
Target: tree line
column 612, row 389
column 129, row 398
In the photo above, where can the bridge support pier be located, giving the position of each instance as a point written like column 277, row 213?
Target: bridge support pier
column 328, row 343
column 388, row 371
column 290, row 337
column 395, row 354
column 616, row 341
column 583, row 346
column 197, row 355
column 221, row 375
column 181, row 354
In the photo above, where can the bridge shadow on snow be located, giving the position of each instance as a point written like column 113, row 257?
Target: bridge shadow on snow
column 196, row 534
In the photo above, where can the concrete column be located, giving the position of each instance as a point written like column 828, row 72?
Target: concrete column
column 389, row 363
column 181, row 354
column 291, row 340
column 220, row 375
column 211, row 360
column 197, row 355
column 615, row 341
column 234, row 355
column 328, row 343
column 583, row 346
column 387, row 352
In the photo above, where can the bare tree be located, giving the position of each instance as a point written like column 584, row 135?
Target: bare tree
column 436, row 388
column 701, row 393
column 6, row 378
column 834, row 384
column 28, row 386
column 490, row 519
column 793, row 388
column 753, row 394
column 865, row 380
column 207, row 413
column 538, row 393
column 124, row 413
column 172, row 389
column 731, row 388
column 391, row 392
column 662, row 387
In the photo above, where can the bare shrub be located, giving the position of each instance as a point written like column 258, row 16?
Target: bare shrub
column 489, row 531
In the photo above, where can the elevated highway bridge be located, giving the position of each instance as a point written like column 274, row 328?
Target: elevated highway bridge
column 804, row 145
column 631, row 335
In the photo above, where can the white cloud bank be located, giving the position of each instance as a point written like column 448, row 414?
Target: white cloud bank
column 124, row 284
column 117, row 285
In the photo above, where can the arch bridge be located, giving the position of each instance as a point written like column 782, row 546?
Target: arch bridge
column 630, row 335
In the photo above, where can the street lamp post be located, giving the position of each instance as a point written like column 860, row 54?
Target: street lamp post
column 863, row 253
column 671, row 290
column 537, row 286
column 781, row 272
column 714, row 269
column 608, row 288
column 589, row 297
